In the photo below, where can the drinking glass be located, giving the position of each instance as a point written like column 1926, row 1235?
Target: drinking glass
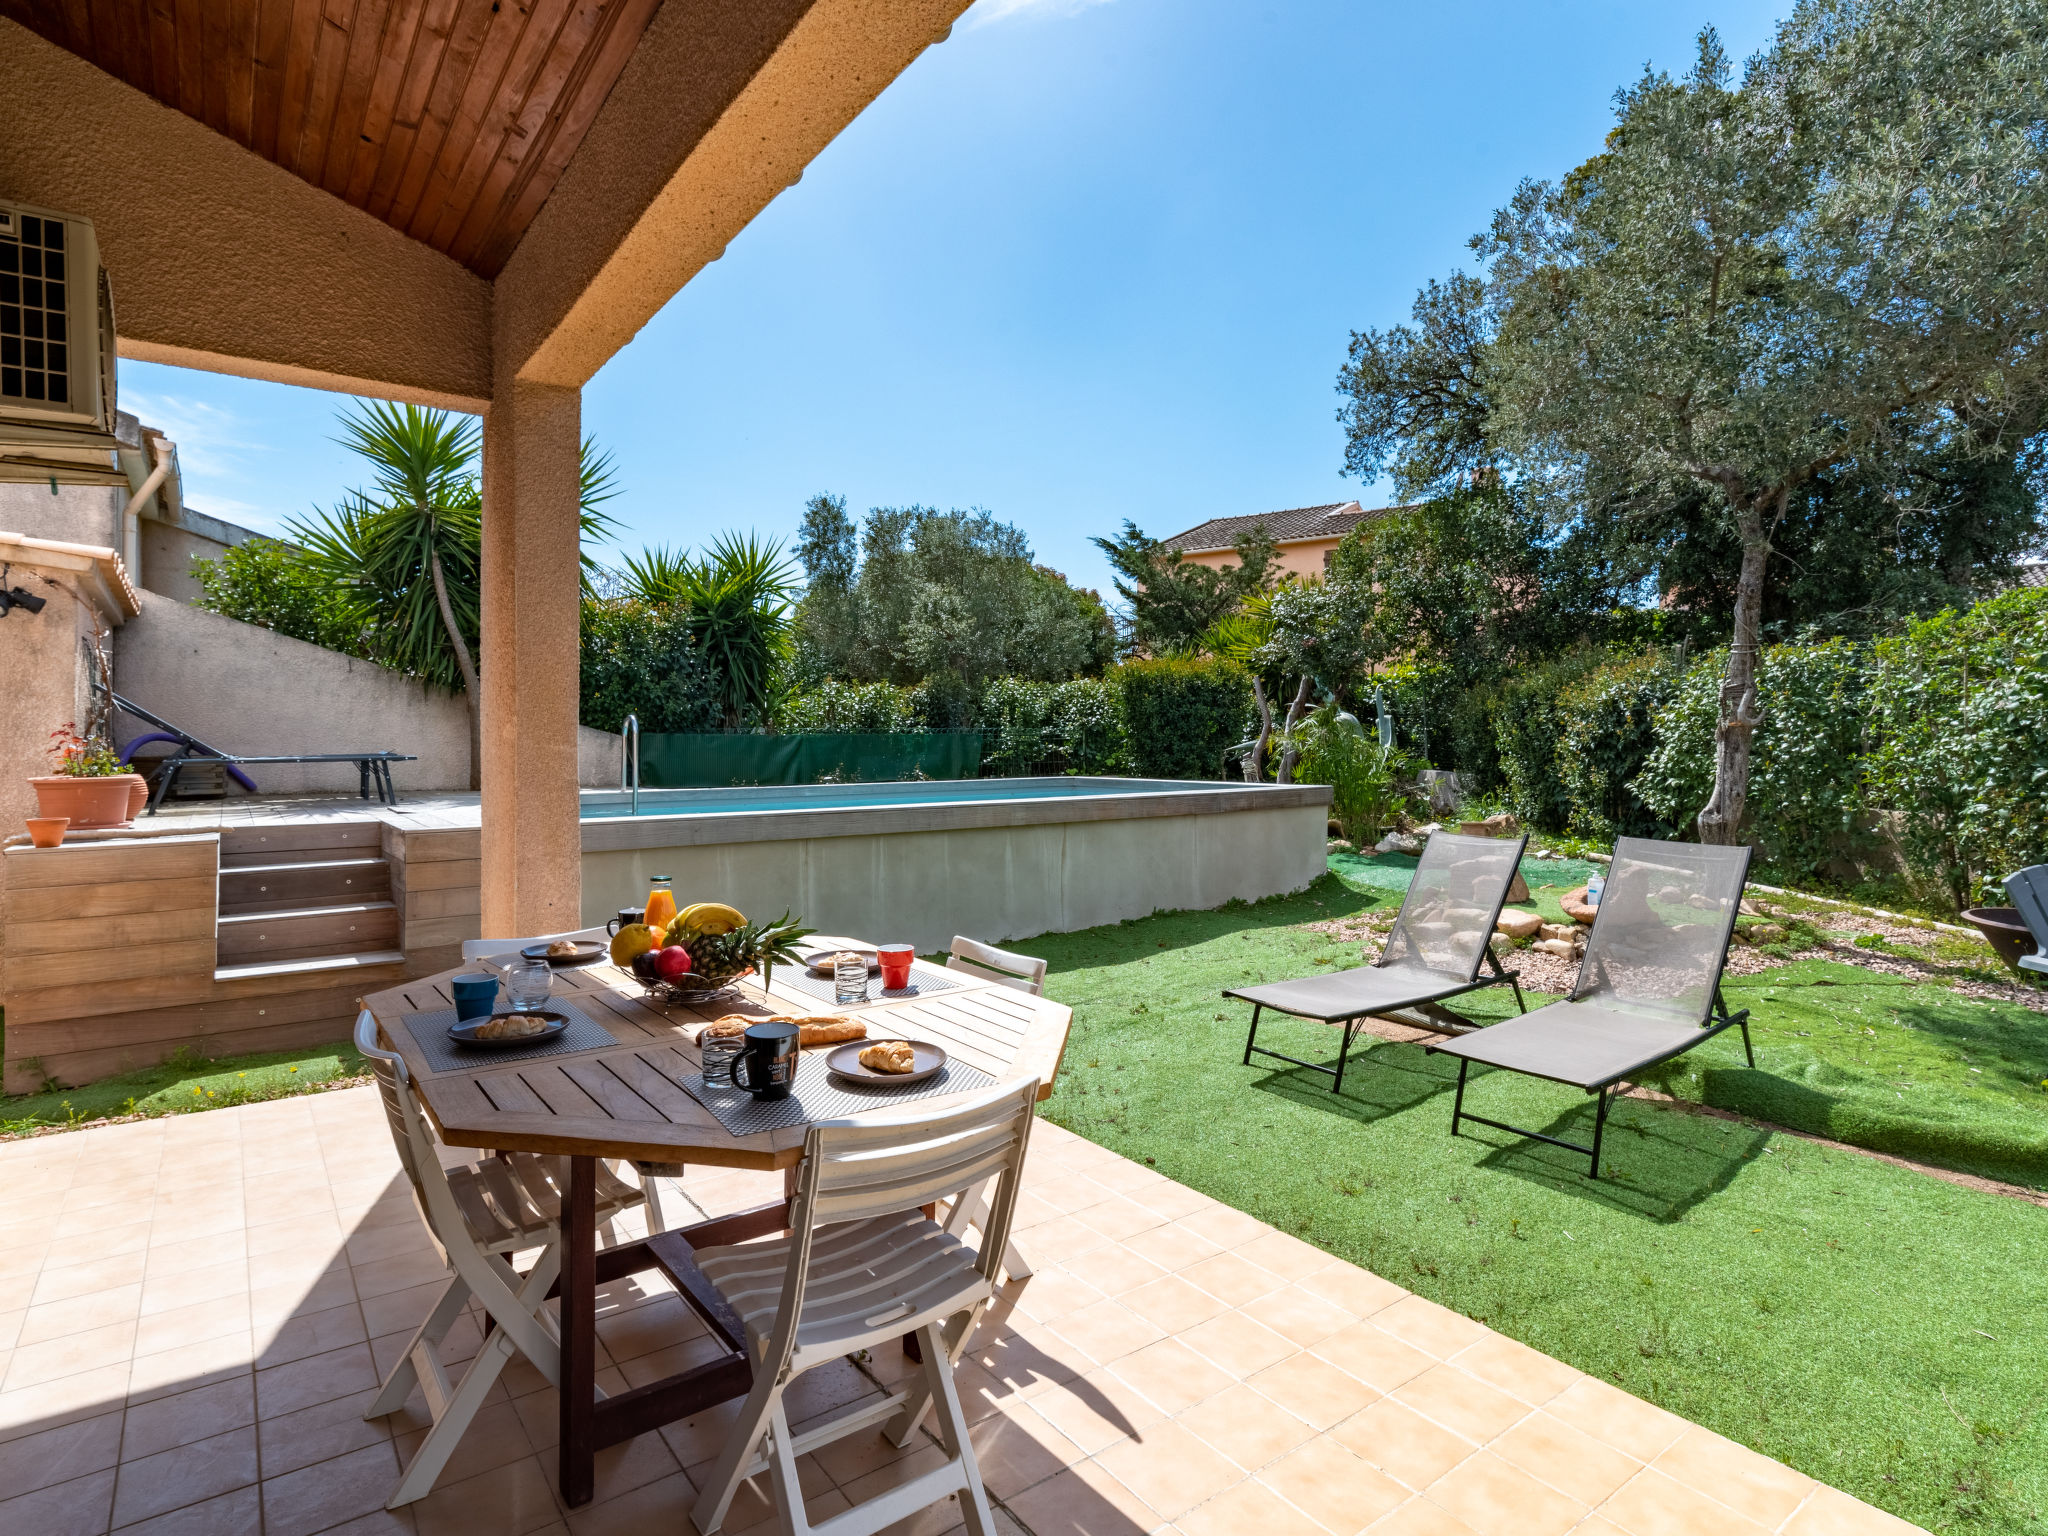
column 718, row 1052
column 849, row 978
column 528, row 983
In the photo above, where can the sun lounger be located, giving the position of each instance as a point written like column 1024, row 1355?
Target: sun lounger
column 1438, row 944
column 1649, row 988
column 2027, row 890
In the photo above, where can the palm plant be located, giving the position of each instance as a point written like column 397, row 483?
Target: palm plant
column 406, row 554
column 738, row 600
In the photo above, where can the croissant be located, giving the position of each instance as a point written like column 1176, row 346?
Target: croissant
column 889, row 1056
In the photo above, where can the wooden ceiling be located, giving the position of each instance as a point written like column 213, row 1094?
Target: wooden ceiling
column 447, row 119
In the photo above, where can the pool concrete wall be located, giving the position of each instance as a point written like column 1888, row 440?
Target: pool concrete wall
column 993, row 871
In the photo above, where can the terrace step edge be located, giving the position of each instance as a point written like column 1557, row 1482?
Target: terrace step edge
column 269, row 968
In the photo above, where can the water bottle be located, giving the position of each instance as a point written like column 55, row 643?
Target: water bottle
column 1594, row 886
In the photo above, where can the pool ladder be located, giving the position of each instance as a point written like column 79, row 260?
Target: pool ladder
column 629, row 760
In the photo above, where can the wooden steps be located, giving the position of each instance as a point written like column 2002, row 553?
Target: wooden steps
column 306, row 932
column 312, row 898
column 326, row 966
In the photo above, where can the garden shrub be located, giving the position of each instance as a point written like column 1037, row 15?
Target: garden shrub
column 638, row 659
column 1181, row 716
column 1958, row 712
column 267, row 582
column 1424, row 697
column 835, row 705
column 1364, row 778
column 1806, row 758
column 1526, row 727
column 1016, row 720
column 1604, row 736
column 1087, row 726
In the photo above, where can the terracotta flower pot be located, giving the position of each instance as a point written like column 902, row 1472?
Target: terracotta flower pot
column 138, row 794
column 87, row 802
column 47, row 831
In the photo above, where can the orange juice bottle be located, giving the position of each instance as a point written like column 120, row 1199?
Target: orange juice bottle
column 661, row 903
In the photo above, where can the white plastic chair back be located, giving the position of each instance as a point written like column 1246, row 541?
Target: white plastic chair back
column 1024, row 972
column 499, row 949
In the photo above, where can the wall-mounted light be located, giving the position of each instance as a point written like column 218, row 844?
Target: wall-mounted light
column 18, row 597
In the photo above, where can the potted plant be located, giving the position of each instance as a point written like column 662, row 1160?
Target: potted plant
column 88, row 784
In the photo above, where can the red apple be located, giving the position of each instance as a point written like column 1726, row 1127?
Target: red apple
column 674, row 962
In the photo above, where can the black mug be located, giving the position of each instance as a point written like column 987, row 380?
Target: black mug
column 766, row 1064
column 627, row 917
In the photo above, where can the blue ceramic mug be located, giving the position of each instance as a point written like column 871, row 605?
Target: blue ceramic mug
column 475, row 996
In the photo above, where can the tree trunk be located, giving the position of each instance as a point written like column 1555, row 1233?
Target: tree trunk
column 467, row 665
column 1255, row 760
column 1291, row 753
column 1720, row 819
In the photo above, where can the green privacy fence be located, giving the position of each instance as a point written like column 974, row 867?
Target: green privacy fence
column 710, row 761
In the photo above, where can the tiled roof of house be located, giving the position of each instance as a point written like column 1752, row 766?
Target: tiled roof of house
column 2033, row 573
column 1293, row 525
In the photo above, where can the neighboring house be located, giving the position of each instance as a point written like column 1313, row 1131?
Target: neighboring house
column 1307, row 536
column 2032, row 573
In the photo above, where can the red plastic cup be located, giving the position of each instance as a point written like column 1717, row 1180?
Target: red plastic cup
column 895, row 960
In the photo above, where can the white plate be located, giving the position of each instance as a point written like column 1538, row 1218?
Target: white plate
column 819, row 961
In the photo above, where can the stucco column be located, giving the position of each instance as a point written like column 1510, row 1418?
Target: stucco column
column 532, row 848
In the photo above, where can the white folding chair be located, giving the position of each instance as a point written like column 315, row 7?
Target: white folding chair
column 478, row 1214
column 650, row 1173
column 1024, row 972
column 862, row 1264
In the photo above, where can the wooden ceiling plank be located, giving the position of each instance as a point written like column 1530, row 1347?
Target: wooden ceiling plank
column 429, row 58
column 517, row 123
column 358, row 75
column 465, row 46
column 241, row 72
column 330, row 57
column 603, row 63
column 191, row 24
column 394, row 59
column 226, row 40
column 112, row 25
column 267, row 72
column 486, row 77
column 163, row 51
column 306, row 26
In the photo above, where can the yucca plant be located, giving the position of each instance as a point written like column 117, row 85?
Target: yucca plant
column 406, row 553
column 738, row 598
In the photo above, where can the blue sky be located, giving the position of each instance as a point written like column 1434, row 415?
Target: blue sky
column 1086, row 260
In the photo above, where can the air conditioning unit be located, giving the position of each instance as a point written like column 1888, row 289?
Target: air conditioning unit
column 56, row 334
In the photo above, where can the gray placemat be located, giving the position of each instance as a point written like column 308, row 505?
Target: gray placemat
column 430, row 1032
column 819, row 1094
column 925, row 980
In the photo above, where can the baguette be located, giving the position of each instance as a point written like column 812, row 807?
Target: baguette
column 812, row 1029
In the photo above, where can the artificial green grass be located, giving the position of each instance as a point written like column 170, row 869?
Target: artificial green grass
column 183, row 1084
column 1877, row 1328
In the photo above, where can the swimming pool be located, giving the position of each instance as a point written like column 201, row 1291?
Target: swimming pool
column 993, row 859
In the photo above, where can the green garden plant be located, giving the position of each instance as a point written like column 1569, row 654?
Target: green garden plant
column 1364, row 777
column 1180, row 716
column 1604, row 737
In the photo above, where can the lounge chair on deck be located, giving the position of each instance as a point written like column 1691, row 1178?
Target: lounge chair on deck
column 1439, row 942
column 1649, row 988
column 2027, row 890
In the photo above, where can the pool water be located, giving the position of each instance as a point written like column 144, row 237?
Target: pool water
column 839, row 797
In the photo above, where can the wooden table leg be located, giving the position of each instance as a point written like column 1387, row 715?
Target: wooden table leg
column 579, row 1332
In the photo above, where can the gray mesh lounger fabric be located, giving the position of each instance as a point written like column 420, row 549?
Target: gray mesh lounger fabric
column 2027, row 890
column 1438, row 943
column 1649, row 987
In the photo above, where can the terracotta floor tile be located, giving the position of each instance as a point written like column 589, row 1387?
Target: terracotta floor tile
column 1107, row 1331
column 1097, row 1410
column 189, row 1474
column 1335, row 1486
column 1830, row 1512
column 1400, row 1441
column 1233, row 1278
column 1419, row 1517
column 1249, row 1507
column 1237, row 1344
column 63, row 1282
column 1651, row 1504
column 77, row 1508
column 31, row 1365
column 197, row 1253
column 1300, row 1315
column 1570, row 1461
column 662, row 1507
column 1516, row 1369
column 1359, row 1291
column 1170, row 1469
column 1436, row 1330
column 190, row 1287
column 1312, row 1389
column 58, row 1455
column 1497, row 1498
column 1223, row 1226
column 239, row 1513
column 1172, row 1247
column 1113, row 1269
column 1609, row 1414
column 1064, row 1239
column 1173, row 1305
column 1119, row 1217
column 1378, row 1359
column 1020, row 1363
column 285, row 1389
column 148, row 1428
column 1019, row 1451
column 1461, row 1403
column 1248, row 1427
column 78, row 1314
column 511, row 1501
column 1288, row 1257
column 224, row 1317
column 189, row 1367
column 1172, row 1375
column 1053, row 1293
column 1746, row 1481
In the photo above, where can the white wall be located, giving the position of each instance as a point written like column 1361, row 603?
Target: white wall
column 242, row 688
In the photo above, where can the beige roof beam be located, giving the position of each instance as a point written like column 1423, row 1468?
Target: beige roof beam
column 222, row 260
column 723, row 105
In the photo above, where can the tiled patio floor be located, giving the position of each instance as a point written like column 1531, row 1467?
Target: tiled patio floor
column 194, row 1312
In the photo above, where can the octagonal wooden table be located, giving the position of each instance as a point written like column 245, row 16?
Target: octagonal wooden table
column 627, row 1101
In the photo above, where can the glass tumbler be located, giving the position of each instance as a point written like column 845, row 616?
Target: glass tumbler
column 528, row 983
column 717, row 1052
column 849, row 978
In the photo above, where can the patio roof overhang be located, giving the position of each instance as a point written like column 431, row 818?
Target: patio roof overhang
column 472, row 205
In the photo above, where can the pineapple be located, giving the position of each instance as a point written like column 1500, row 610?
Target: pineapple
column 720, row 957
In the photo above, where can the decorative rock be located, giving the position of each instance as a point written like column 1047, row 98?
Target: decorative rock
column 1400, row 842
column 1766, row 933
column 1561, row 948
column 1499, row 943
column 1520, row 925
column 1575, row 908
column 1503, row 825
column 1518, row 888
column 1569, row 932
